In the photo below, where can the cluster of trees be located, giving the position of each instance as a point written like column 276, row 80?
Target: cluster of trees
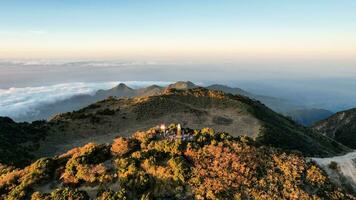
column 18, row 183
column 211, row 166
column 87, row 165
column 18, row 140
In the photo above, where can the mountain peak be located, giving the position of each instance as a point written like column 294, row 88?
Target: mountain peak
column 122, row 86
column 228, row 89
column 182, row 85
column 151, row 87
column 119, row 90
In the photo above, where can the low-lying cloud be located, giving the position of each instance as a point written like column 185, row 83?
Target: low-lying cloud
column 20, row 102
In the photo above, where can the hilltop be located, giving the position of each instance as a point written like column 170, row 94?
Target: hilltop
column 150, row 165
column 341, row 127
column 196, row 108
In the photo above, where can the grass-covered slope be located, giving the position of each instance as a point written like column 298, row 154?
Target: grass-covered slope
column 198, row 108
column 148, row 165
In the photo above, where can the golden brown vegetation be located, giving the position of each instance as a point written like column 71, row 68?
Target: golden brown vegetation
column 149, row 166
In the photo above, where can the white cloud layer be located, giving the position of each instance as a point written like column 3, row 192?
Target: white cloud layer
column 19, row 102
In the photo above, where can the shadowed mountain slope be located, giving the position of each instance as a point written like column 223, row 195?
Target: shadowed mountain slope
column 17, row 140
column 341, row 127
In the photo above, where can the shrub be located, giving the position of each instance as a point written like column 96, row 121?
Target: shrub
column 122, row 146
column 315, row 176
column 94, row 106
column 38, row 172
column 106, row 111
column 111, row 195
column 333, row 165
column 94, row 119
column 68, row 193
column 85, row 164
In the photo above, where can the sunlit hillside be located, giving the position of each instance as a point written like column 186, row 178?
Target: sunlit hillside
column 171, row 163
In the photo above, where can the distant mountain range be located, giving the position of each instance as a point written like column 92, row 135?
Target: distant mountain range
column 308, row 117
column 297, row 112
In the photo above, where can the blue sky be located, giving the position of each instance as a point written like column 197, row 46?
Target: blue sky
column 181, row 29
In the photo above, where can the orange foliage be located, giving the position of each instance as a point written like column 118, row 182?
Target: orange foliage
column 120, row 146
column 315, row 176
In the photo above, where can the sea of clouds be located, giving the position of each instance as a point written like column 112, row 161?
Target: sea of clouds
column 19, row 102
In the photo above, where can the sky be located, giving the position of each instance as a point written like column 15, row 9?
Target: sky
column 221, row 39
column 180, row 29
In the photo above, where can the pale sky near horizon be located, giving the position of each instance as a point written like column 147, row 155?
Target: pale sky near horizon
column 299, row 36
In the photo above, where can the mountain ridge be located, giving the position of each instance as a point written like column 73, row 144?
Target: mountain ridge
column 340, row 126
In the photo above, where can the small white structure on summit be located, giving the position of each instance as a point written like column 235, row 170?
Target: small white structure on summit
column 179, row 130
column 162, row 127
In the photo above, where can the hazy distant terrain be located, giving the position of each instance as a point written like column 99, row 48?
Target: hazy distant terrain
column 308, row 117
column 331, row 93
